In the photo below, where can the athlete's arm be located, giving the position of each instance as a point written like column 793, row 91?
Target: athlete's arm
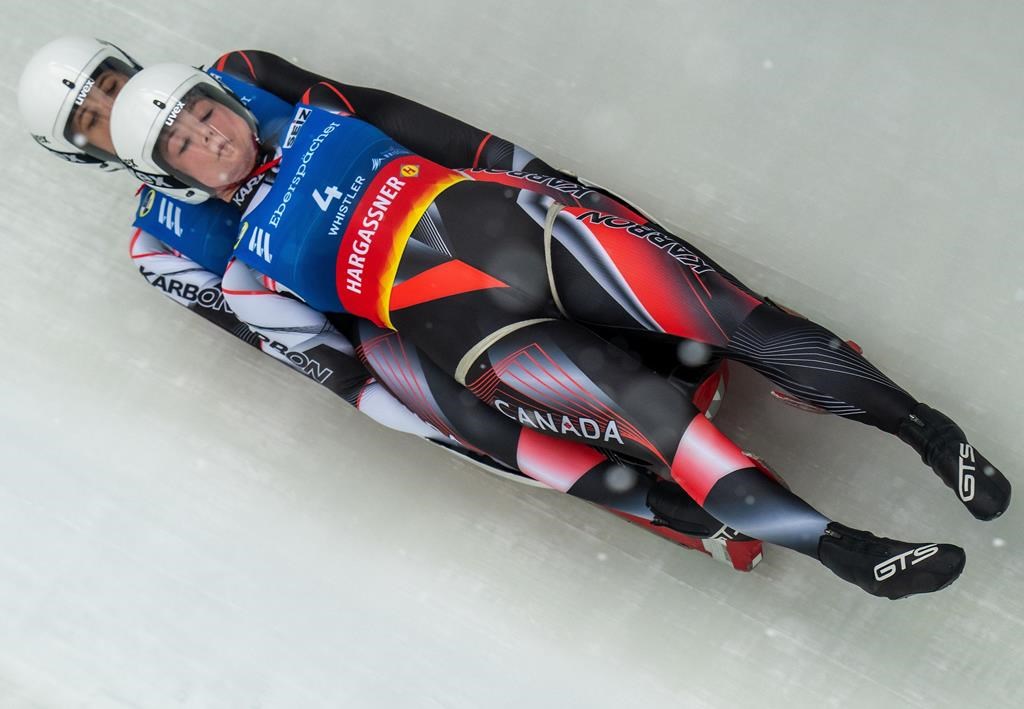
column 185, row 282
column 427, row 132
column 301, row 337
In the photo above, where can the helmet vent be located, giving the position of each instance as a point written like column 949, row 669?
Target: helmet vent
column 159, row 104
column 69, row 83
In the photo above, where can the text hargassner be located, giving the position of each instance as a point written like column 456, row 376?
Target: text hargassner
column 300, row 172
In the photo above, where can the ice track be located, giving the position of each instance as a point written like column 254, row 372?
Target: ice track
column 186, row 524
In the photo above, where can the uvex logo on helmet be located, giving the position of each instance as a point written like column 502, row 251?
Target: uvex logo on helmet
column 86, row 88
column 174, row 113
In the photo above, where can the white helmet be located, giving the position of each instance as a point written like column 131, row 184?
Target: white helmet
column 155, row 121
column 65, row 94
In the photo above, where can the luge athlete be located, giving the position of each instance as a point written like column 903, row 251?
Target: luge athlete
column 467, row 268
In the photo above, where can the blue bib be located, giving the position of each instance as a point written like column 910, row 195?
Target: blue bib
column 202, row 232
column 293, row 235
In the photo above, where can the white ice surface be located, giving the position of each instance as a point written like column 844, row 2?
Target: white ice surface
column 185, row 523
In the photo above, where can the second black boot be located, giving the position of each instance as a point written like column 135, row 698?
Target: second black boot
column 982, row 489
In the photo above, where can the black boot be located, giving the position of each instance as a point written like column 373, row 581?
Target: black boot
column 983, row 490
column 886, row 567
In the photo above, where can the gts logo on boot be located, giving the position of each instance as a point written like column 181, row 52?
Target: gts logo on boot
column 891, row 567
column 965, row 481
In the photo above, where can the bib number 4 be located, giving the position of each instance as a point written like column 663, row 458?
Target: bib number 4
column 324, row 200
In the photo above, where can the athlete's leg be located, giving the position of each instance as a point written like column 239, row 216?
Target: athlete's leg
column 608, row 270
column 567, row 466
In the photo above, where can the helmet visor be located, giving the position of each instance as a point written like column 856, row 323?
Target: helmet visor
column 88, row 125
column 207, row 140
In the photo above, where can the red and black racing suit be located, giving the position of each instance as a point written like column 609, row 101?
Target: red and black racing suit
column 537, row 254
